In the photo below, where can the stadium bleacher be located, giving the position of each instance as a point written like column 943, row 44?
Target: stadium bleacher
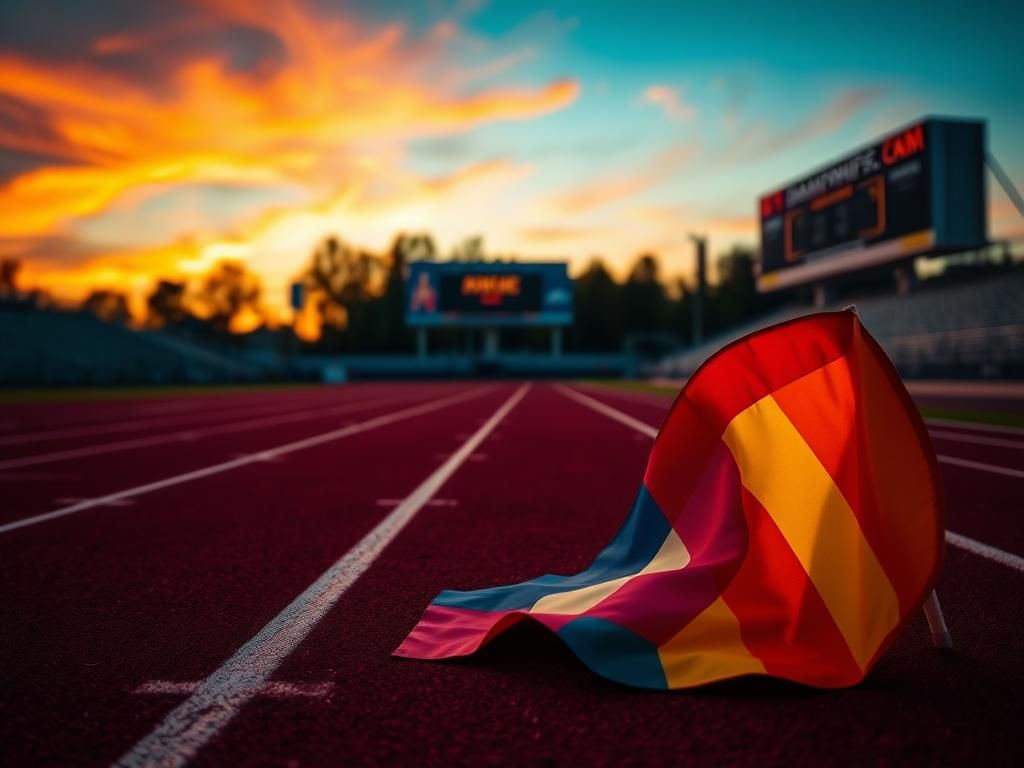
column 49, row 347
column 968, row 330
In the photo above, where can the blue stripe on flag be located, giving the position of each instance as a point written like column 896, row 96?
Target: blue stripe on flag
column 633, row 547
column 615, row 652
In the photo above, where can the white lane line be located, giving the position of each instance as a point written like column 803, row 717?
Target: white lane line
column 984, row 550
column 607, row 410
column 187, row 435
column 975, row 426
column 298, row 445
column 960, row 437
column 981, row 466
column 274, row 689
column 117, row 503
column 197, row 720
column 976, row 547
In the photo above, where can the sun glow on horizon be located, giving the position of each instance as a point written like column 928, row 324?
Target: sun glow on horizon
column 161, row 145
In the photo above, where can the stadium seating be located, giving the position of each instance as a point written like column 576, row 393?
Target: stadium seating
column 972, row 329
column 47, row 347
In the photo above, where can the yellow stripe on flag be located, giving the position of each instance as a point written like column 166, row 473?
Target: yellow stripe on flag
column 708, row 648
column 671, row 556
column 782, row 472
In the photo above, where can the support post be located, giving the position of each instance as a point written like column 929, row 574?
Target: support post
column 937, row 622
column 421, row 343
column 491, row 343
column 701, row 244
column 556, row 342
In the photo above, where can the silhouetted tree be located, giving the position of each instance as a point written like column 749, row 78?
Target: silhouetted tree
column 643, row 297
column 342, row 281
column 165, row 306
column 598, row 306
column 679, row 318
column 107, row 305
column 9, row 269
column 387, row 311
column 735, row 298
column 227, row 291
column 470, row 249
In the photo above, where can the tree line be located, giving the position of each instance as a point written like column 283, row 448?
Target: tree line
column 356, row 298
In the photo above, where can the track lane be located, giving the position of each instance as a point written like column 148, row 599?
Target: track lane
column 217, row 700
column 58, row 414
column 41, row 489
column 19, row 442
column 244, row 422
column 105, row 601
column 538, row 504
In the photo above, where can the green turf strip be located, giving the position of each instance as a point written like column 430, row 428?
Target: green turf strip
column 998, row 418
column 634, row 385
column 56, row 394
column 978, row 416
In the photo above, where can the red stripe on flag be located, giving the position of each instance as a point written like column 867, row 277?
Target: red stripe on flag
column 783, row 619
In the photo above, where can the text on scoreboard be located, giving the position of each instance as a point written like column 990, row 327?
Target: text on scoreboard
column 917, row 190
column 488, row 294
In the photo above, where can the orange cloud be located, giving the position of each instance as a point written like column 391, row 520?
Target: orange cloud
column 610, row 189
column 670, row 101
column 332, row 116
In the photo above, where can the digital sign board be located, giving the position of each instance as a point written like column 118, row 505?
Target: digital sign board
column 488, row 294
column 918, row 190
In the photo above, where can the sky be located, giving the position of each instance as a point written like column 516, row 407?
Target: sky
column 143, row 140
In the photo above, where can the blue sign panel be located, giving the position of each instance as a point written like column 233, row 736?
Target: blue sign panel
column 490, row 294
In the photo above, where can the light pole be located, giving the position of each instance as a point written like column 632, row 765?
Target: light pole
column 701, row 243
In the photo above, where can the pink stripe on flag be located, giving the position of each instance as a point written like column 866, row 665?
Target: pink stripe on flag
column 445, row 631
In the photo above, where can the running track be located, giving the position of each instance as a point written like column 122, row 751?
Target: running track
column 220, row 579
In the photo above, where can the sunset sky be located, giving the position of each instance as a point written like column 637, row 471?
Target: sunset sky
column 142, row 139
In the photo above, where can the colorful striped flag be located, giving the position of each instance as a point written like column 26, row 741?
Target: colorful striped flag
column 789, row 524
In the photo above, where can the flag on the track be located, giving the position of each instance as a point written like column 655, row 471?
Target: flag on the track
column 789, row 523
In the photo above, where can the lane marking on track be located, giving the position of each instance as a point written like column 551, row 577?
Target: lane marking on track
column 607, row 410
column 981, row 466
column 117, row 503
column 197, row 720
column 274, row 689
column 431, row 503
column 975, row 426
column 976, row 547
column 960, row 437
column 226, row 466
column 203, row 414
column 189, row 435
column 984, row 550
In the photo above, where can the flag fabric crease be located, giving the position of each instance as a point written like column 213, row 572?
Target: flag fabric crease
column 789, row 524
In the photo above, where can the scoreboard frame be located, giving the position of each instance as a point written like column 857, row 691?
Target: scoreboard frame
column 918, row 190
column 473, row 294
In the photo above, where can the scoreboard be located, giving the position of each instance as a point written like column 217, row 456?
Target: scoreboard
column 492, row 294
column 918, row 190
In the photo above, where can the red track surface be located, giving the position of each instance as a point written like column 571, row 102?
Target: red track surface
column 166, row 585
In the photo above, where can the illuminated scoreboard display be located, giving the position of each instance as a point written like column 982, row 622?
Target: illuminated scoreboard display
column 917, row 191
column 488, row 294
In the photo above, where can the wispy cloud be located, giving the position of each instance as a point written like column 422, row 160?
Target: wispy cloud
column 611, row 188
column 670, row 101
column 761, row 140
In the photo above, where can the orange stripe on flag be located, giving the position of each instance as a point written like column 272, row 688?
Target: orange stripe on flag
column 709, row 648
column 782, row 472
